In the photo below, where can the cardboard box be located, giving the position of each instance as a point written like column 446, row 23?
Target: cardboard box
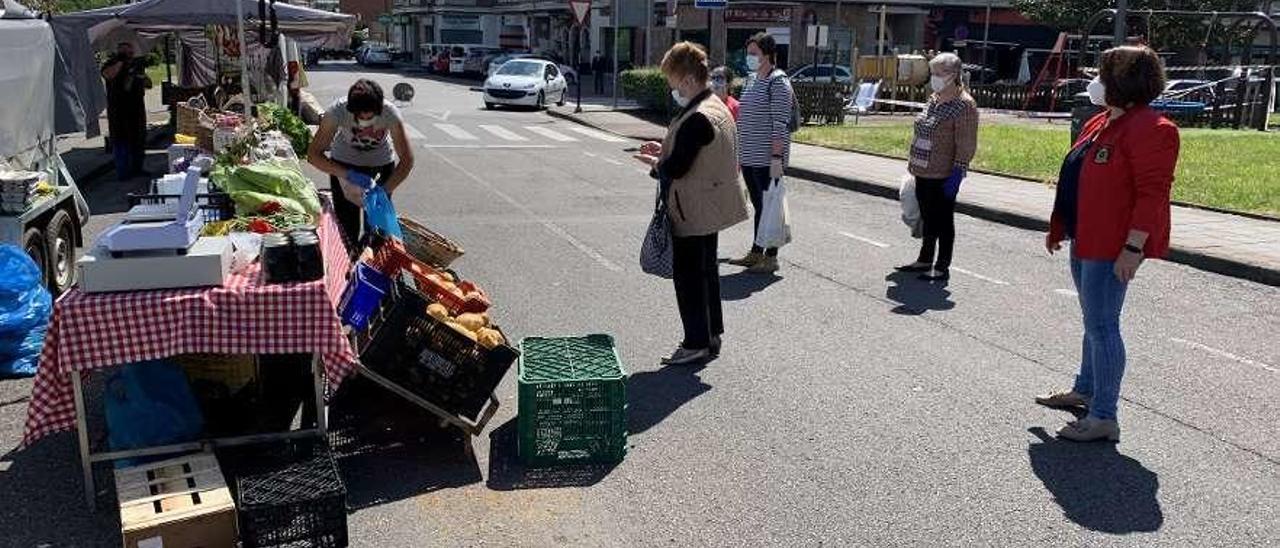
column 207, row 263
column 176, row 503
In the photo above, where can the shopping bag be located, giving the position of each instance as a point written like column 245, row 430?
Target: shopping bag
column 775, row 218
column 380, row 214
column 910, row 206
column 655, row 250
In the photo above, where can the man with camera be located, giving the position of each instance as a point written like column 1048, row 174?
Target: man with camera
column 127, row 85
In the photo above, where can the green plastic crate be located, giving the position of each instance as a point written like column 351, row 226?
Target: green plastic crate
column 573, row 399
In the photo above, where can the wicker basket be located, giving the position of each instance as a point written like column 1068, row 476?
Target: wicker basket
column 427, row 246
column 188, row 117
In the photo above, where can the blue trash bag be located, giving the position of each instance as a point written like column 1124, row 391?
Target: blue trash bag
column 25, row 307
column 150, row 403
column 380, row 214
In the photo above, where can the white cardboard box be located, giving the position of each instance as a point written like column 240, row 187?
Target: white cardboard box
column 207, row 263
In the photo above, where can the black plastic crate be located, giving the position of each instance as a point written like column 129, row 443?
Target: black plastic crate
column 214, row 206
column 288, row 494
column 431, row 359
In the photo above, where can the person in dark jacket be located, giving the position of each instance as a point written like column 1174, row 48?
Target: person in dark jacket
column 1113, row 205
column 697, row 165
column 127, row 85
column 598, row 68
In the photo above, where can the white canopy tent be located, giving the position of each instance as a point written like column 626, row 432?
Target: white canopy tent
column 38, row 102
column 81, row 34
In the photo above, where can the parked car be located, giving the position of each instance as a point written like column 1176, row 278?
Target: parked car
column 1178, row 90
column 458, row 58
column 475, row 63
column 821, row 73
column 499, row 60
column 525, row 82
column 375, row 54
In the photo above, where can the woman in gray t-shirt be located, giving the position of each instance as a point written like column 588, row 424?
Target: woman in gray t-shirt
column 366, row 144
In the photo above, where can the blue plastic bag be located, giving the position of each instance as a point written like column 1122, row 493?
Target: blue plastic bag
column 151, row 403
column 25, row 307
column 380, row 214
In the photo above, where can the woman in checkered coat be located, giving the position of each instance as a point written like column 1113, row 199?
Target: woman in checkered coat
column 946, row 137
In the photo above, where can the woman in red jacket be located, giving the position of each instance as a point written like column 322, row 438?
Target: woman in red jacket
column 1113, row 204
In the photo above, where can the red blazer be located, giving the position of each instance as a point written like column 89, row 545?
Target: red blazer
column 1124, row 184
column 733, row 105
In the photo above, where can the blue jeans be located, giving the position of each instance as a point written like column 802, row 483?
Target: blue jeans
column 1102, row 356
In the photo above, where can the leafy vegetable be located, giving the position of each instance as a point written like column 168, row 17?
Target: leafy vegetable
column 288, row 123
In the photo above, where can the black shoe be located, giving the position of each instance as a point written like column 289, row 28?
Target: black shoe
column 936, row 275
column 715, row 346
column 914, row 267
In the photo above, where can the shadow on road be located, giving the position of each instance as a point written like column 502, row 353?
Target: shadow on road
column 42, row 500
column 507, row 473
column 390, row 450
column 742, row 285
column 916, row 297
column 1096, row 486
column 652, row 396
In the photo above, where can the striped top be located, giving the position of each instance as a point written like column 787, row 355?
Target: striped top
column 763, row 117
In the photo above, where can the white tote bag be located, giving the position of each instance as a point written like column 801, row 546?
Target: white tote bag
column 910, row 205
column 775, row 218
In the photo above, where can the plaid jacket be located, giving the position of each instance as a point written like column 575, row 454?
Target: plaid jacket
column 946, row 136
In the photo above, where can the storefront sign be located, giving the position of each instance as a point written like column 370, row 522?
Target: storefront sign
column 460, row 22
column 710, row 4
column 757, row 15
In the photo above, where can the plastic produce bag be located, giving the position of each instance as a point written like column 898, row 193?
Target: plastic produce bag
column 775, row 218
column 380, row 214
column 150, row 403
column 25, row 307
column 910, row 206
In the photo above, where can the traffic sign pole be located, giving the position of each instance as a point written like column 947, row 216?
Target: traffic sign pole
column 581, row 10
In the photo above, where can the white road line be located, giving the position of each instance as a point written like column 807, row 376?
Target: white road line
column 597, row 134
column 589, row 154
column 503, row 133
column 643, row 171
column 550, row 226
column 1227, row 355
column 413, row 133
column 980, row 276
column 551, row 134
column 1066, row 292
column 517, row 147
column 610, row 161
column 880, row 245
column 456, row 132
column 443, row 116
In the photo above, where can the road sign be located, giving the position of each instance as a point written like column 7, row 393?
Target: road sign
column 711, row 4
column 384, row 19
column 818, row 36
column 580, row 9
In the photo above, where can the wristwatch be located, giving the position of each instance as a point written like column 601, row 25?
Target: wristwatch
column 1133, row 249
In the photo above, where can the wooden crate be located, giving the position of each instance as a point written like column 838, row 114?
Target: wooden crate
column 177, row 503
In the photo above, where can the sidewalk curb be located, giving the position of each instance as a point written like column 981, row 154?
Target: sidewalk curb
column 1194, row 259
column 570, row 117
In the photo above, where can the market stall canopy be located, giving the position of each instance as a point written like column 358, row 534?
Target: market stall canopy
column 80, row 34
column 39, row 99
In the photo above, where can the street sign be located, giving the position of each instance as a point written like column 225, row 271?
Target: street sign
column 384, row 19
column 580, row 9
column 818, row 36
column 711, row 4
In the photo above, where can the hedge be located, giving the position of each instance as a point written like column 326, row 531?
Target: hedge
column 648, row 86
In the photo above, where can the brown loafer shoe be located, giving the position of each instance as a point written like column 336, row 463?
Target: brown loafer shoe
column 1065, row 399
column 749, row 260
column 1090, row 429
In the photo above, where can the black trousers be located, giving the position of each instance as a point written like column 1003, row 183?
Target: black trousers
column 697, row 281
column 348, row 214
column 938, row 213
column 599, row 80
column 758, row 180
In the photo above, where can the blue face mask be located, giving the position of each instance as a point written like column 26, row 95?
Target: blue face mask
column 753, row 62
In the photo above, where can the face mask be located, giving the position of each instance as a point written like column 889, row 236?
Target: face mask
column 939, row 83
column 364, row 123
column 753, row 62
column 680, row 99
column 1097, row 92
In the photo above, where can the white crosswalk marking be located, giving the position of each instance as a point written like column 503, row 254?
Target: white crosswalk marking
column 413, row 133
column 550, row 134
column 503, row 133
column 456, row 132
column 597, row 134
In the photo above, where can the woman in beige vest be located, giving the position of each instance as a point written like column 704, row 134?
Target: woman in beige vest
column 697, row 163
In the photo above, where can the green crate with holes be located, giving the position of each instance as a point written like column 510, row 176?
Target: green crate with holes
column 573, row 401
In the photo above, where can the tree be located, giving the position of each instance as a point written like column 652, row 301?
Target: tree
column 70, row 6
column 1165, row 32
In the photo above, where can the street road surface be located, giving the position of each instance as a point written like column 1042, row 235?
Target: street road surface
column 851, row 406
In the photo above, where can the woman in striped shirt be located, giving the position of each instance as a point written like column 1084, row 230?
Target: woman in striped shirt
column 764, row 137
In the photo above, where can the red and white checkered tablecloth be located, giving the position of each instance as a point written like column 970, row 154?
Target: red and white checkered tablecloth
column 245, row 316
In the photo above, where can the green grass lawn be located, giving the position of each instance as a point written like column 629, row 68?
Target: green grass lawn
column 156, row 73
column 1236, row 170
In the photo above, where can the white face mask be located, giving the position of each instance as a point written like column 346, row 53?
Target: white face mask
column 680, row 99
column 753, row 62
column 364, row 123
column 1097, row 92
column 939, row 83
